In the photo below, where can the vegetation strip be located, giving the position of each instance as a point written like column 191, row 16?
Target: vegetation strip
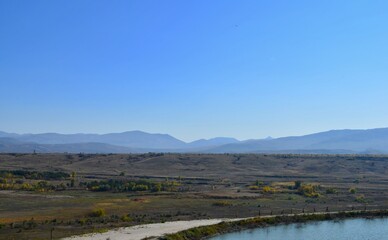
column 206, row 232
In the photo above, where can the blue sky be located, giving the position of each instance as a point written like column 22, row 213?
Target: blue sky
column 193, row 69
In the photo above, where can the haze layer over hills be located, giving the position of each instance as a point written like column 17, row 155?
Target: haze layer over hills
column 332, row 142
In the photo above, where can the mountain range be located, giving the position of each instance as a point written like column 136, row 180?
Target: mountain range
column 331, row 142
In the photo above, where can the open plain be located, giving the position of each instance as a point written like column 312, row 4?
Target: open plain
column 60, row 195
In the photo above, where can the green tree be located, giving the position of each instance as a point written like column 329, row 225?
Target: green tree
column 72, row 179
column 297, row 184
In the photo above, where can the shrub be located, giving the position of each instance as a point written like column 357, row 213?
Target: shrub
column 331, row 191
column 140, row 188
column 82, row 222
column 297, row 184
column 309, row 191
column 268, row 189
column 126, row 218
column 353, row 190
column 98, row 213
column 130, row 186
column 222, row 204
column 360, row 199
column 259, row 183
column 253, row 188
column 35, row 175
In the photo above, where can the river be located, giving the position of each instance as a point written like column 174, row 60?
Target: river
column 350, row 229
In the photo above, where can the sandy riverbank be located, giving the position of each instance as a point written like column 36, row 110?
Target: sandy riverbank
column 148, row 230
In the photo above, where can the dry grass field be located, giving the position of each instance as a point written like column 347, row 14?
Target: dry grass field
column 180, row 187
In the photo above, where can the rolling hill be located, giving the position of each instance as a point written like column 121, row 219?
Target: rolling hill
column 331, row 142
column 335, row 141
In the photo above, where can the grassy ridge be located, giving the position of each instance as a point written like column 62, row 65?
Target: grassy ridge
column 205, row 232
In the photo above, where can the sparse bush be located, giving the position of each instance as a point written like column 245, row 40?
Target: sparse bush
column 222, row 204
column 360, row 199
column 130, row 186
column 140, row 188
column 126, row 218
column 98, row 213
column 331, row 191
column 34, row 175
column 253, row 187
column 353, row 190
column 82, row 221
column 309, row 190
column 268, row 189
column 259, row 183
column 297, row 184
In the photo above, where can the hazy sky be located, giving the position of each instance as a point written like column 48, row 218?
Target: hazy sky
column 193, row 69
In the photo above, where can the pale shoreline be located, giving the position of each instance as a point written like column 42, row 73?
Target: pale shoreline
column 148, row 230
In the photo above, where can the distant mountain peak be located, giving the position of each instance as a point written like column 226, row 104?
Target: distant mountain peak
column 333, row 141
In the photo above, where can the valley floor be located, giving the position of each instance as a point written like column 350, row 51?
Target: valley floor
column 62, row 195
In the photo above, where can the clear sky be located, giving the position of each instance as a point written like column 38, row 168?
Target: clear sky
column 193, row 69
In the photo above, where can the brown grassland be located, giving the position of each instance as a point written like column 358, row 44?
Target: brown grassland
column 103, row 191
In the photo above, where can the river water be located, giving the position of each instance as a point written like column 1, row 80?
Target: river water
column 351, row 229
